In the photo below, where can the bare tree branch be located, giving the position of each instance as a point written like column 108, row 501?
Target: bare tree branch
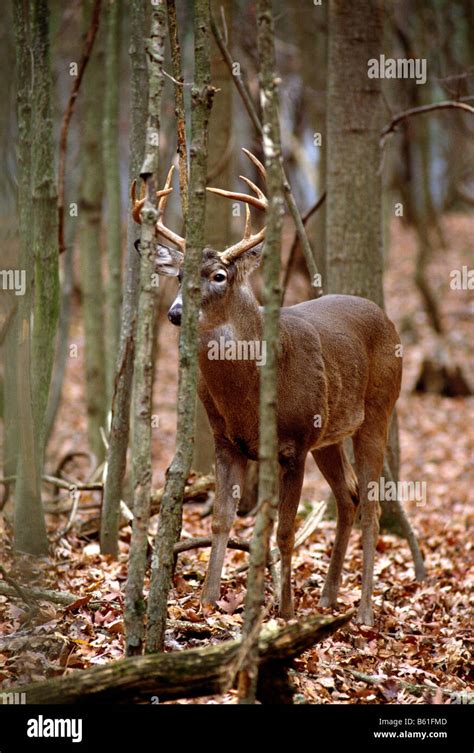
column 180, row 110
column 312, row 210
column 249, row 106
column 88, row 45
column 401, row 116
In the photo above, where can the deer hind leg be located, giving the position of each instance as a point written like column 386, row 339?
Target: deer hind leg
column 291, row 482
column 230, row 474
column 334, row 464
column 369, row 449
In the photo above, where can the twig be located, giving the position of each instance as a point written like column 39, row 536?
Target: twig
column 89, row 43
column 204, row 541
column 62, row 483
column 180, row 109
column 200, row 486
column 74, row 494
column 70, row 486
column 397, row 119
column 241, row 88
column 64, row 598
column 290, row 199
column 77, row 454
column 175, row 81
column 200, row 628
column 14, row 586
column 294, row 245
column 7, row 480
column 413, row 687
column 224, row 158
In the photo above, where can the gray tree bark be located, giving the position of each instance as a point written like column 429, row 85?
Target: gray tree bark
column 90, row 214
column 112, row 191
column 217, row 234
column 143, row 367
column 169, row 524
column 120, row 425
column 268, row 483
column 354, row 122
column 39, row 255
column 354, row 185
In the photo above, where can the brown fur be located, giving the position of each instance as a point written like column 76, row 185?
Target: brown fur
column 337, row 361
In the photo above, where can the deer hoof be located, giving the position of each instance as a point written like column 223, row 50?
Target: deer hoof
column 365, row 616
column 328, row 601
column 287, row 612
column 210, row 595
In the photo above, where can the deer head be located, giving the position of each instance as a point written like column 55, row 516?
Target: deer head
column 221, row 271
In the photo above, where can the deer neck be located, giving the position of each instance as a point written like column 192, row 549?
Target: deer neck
column 239, row 317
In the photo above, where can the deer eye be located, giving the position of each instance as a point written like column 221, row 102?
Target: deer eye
column 219, row 277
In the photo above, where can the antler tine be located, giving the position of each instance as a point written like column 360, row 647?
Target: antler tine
column 137, row 203
column 162, row 195
column 239, row 197
column 260, row 195
column 256, row 162
column 248, row 223
column 160, row 227
column 249, row 239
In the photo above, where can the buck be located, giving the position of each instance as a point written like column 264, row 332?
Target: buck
column 339, row 376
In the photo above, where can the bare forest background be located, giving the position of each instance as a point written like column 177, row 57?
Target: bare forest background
column 378, row 202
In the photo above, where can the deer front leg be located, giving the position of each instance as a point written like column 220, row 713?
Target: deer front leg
column 230, row 474
column 291, row 482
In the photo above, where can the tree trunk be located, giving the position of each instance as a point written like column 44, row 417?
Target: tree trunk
column 268, row 482
column 354, row 121
column 90, row 250
column 39, row 259
column 217, row 234
column 45, row 226
column 354, row 203
column 143, row 367
column 112, row 191
column 120, row 426
column 169, row 524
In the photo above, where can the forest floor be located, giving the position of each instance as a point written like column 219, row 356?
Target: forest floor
column 419, row 649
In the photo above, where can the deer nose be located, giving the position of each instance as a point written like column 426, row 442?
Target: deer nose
column 174, row 315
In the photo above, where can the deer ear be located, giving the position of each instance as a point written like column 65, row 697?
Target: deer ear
column 250, row 260
column 168, row 260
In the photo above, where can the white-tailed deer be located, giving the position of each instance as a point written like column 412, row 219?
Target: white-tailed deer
column 339, row 376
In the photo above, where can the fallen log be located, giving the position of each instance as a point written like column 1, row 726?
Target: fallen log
column 39, row 594
column 187, row 674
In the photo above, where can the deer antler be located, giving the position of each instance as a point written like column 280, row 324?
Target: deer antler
column 163, row 197
column 249, row 239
